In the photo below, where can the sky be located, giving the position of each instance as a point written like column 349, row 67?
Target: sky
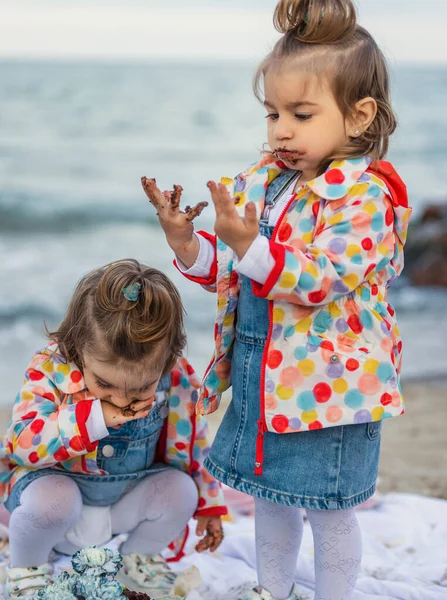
column 408, row 30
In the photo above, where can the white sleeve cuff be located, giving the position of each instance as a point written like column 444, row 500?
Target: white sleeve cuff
column 258, row 261
column 204, row 261
column 96, row 426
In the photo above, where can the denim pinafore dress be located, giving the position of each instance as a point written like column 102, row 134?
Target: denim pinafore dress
column 325, row 469
column 127, row 455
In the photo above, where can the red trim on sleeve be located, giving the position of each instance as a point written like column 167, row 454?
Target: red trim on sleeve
column 278, row 252
column 214, row 511
column 211, row 280
column 208, row 236
column 83, row 409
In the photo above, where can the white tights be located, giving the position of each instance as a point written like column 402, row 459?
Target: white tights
column 337, row 542
column 158, row 509
column 154, row 513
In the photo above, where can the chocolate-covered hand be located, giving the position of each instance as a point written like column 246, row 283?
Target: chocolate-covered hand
column 115, row 416
column 211, row 528
column 177, row 224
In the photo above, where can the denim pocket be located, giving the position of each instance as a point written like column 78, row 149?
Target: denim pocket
column 374, row 429
column 124, row 456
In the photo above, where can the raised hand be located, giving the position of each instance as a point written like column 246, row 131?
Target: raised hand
column 177, row 224
column 237, row 232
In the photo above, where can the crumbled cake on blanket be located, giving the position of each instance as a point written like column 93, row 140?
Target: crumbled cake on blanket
column 94, row 577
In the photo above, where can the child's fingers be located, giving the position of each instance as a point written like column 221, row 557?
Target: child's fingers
column 142, row 404
column 202, row 545
column 218, row 197
column 227, row 202
column 251, row 217
column 216, row 534
column 153, row 193
column 210, row 542
column 142, row 414
column 214, row 545
column 214, row 196
column 130, row 414
column 175, row 196
column 200, row 529
column 192, row 213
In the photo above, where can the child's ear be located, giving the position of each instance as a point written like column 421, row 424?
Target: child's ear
column 362, row 116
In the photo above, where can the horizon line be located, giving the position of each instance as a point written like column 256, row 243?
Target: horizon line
column 192, row 60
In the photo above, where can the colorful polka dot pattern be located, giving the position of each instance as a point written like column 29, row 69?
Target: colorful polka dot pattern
column 334, row 355
column 45, row 430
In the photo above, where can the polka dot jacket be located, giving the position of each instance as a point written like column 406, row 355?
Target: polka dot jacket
column 334, row 351
column 48, row 428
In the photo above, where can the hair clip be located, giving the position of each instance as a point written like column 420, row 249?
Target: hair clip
column 131, row 292
column 307, row 18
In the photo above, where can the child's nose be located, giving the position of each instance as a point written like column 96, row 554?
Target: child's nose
column 119, row 400
column 283, row 129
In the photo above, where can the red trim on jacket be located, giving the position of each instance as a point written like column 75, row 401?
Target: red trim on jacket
column 211, row 280
column 262, row 425
column 387, row 173
column 180, row 554
column 83, row 409
column 278, row 252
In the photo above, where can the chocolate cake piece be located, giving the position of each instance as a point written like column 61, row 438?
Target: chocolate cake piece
column 135, row 595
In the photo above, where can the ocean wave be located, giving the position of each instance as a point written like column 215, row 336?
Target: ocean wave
column 29, row 217
column 64, row 221
column 27, row 312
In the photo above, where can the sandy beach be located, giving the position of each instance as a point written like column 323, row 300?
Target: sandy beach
column 414, row 448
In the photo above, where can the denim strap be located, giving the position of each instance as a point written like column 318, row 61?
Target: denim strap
column 279, row 185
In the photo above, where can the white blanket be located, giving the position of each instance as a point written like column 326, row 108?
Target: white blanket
column 405, row 555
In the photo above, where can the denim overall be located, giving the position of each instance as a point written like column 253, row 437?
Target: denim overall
column 127, row 454
column 325, row 469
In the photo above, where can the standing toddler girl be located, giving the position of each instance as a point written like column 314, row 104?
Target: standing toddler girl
column 308, row 241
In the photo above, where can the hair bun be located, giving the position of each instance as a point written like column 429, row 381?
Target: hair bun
column 316, row 21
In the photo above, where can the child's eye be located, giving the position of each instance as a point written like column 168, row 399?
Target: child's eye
column 272, row 116
column 303, row 117
column 103, row 386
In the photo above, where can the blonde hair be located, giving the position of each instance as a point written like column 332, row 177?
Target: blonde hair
column 325, row 39
column 101, row 319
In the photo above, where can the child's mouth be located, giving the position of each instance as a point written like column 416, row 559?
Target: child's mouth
column 289, row 155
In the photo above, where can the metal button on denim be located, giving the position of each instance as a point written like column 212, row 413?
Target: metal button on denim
column 164, row 410
column 108, row 451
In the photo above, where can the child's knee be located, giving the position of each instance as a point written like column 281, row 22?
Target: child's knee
column 55, row 494
column 182, row 491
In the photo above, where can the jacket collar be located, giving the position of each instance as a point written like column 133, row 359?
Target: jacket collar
column 340, row 177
